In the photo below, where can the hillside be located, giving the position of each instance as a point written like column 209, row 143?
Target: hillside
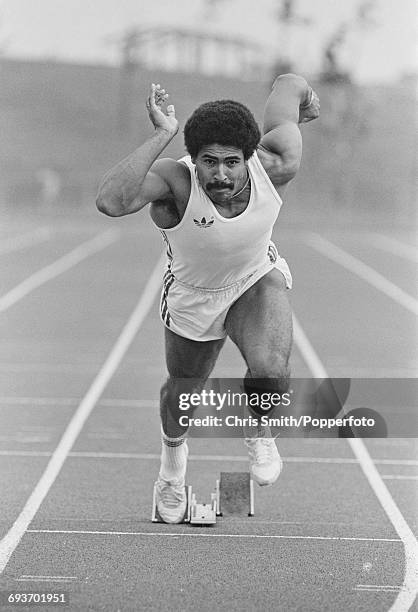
column 358, row 161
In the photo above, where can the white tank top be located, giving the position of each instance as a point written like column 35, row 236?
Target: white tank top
column 207, row 250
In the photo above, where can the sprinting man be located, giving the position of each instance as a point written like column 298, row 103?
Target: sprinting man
column 216, row 209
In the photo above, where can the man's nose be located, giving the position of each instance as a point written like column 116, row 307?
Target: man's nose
column 220, row 173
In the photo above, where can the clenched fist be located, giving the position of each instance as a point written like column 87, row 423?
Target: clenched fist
column 310, row 110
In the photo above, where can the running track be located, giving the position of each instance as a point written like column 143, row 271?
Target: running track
column 81, row 361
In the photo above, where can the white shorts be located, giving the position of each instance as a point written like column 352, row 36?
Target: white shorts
column 198, row 313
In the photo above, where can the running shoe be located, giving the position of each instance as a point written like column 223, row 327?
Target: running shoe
column 171, row 500
column 265, row 461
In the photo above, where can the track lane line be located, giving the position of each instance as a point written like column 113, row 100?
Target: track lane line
column 216, row 458
column 406, row 598
column 362, row 270
column 64, row 263
column 307, row 351
column 24, row 578
column 393, row 246
column 22, row 241
column 212, row 534
column 398, row 477
column 34, row 402
column 11, row 540
column 376, row 588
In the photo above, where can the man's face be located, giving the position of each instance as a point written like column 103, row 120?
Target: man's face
column 221, row 171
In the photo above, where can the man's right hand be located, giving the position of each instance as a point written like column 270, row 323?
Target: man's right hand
column 161, row 121
column 310, row 110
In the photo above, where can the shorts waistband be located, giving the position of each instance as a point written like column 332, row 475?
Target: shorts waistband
column 222, row 289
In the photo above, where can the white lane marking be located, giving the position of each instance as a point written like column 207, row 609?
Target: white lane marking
column 60, row 580
column 308, row 352
column 59, row 266
column 377, row 588
column 211, row 535
column 18, row 243
column 106, row 435
column 42, row 367
column 410, row 584
column 398, row 477
column 25, row 454
column 396, row 461
column 362, row 270
column 28, row 578
column 11, row 540
column 375, row 372
column 391, row 245
column 74, row 401
column 39, row 401
column 218, row 458
column 22, row 438
column 380, row 586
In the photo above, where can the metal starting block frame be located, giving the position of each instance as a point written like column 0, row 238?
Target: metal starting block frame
column 203, row 514
column 233, row 496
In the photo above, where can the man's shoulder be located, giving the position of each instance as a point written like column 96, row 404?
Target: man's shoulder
column 168, row 167
column 176, row 174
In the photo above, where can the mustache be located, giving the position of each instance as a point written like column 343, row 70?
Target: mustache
column 210, row 186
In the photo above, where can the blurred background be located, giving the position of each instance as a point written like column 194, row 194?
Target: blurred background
column 75, row 74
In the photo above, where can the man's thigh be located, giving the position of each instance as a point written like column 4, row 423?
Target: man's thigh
column 188, row 358
column 260, row 324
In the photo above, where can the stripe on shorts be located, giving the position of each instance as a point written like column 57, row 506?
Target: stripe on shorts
column 167, row 282
column 272, row 253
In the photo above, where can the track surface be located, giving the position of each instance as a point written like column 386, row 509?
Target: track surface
column 326, row 537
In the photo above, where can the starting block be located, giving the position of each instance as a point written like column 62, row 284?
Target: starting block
column 236, row 494
column 233, row 496
column 203, row 514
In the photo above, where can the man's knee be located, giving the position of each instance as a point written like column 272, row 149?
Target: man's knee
column 174, row 388
column 269, row 366
column 172, row 394
column 264, row 392
column 267, row 374
column 169, row 408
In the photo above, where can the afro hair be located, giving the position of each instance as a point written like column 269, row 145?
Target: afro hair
column 223, row 122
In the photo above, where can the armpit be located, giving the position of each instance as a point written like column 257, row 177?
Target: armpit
column 164, row 213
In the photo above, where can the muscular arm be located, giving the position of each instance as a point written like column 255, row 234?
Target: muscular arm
column 292, row 101
column 139, row 178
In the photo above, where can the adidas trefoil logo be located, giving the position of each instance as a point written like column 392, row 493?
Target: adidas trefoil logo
column 203, row 222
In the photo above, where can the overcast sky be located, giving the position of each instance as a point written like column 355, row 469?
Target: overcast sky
column 77, row 30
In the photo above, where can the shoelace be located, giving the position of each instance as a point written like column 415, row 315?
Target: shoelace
column 260, row 449
column 171, row 496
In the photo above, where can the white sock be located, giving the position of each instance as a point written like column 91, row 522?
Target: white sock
column 173, row 457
